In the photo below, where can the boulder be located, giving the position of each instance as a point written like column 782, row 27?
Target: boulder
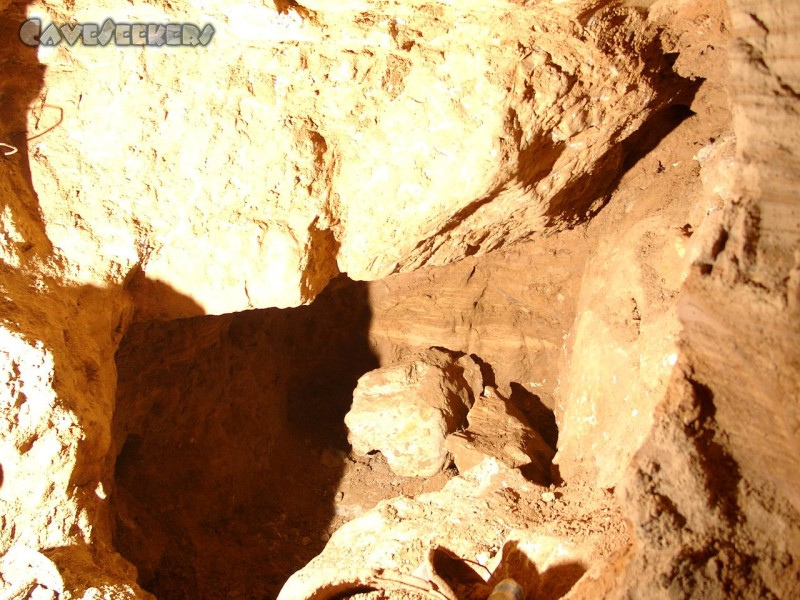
column 407, row 410
column 499, row 430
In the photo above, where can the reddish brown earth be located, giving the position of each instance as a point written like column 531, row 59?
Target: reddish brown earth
column 205, row 251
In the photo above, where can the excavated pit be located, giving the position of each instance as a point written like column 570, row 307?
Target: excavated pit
column 234, row 467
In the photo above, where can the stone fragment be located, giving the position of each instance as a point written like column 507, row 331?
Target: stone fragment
column 472, row 374
column 406, row 410
column 394, row 537
column 497, row 429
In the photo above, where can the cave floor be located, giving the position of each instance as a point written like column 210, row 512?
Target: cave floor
column 316, row 488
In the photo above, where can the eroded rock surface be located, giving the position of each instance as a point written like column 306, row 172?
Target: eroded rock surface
column 713, row 490
column 512, row 308
column 379, row 138
column 481, row 518
column 499, row 430
column 625, row 340
column 366, row 139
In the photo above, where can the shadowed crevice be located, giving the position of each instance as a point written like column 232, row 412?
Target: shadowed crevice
column 228, row 431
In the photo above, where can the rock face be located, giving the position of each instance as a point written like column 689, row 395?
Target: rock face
column 512, row 308
column 325, row 123
column 407, row 410
column 203, row 435
column 713, row 490
column 499, row 430
column 625, row 339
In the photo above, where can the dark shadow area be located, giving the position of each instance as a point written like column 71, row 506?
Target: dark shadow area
column 79, row 328
column 228, row 430
column 458, row 575
column 539, row 416
column 552, row 584
column 558, row 580
column 535, row 161
column 156, row 300
column 720, row 468
column 336, row 356
column 487, row 372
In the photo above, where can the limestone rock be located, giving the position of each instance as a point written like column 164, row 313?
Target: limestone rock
column 407, row 410
column 25, row 572
column 475, row 517
column 299, row 144
column 471, row 372
column 703, row 523
column 497, row 429
column 623, row 348
column 397, row 534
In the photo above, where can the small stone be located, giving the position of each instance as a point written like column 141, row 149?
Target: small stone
column 548, row 497
column 324, row 536
column 305, row 541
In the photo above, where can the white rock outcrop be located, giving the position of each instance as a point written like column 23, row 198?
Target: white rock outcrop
column 367, row 139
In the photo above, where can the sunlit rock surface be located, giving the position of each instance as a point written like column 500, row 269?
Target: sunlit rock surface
column 377, row 138
column 368, row 138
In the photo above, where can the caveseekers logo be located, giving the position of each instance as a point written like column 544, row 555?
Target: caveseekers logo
column 121, row 34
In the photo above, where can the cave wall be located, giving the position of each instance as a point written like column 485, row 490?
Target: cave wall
column 512, row 309
column 713, row 490
column 485, row 125
column 96, row 225
column 625, row 340
column 58, row 374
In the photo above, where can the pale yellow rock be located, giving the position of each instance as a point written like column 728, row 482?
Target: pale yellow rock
column 407, row 410
column 623, row 349
column 397, row 534
column 369, row 138
column 414, row 135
